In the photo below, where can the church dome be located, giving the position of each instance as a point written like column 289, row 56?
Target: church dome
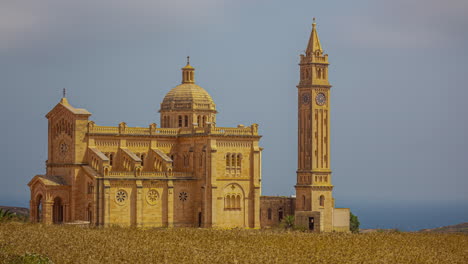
column 188, row 96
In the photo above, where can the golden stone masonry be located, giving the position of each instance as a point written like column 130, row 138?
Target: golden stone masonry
column 188, row 172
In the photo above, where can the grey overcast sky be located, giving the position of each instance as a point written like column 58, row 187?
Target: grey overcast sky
column 399, row 71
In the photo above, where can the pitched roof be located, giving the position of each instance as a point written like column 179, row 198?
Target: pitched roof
column 99, row 153
column 162, row 155
column 131, row 154
column 50, row 180
column 64, row 103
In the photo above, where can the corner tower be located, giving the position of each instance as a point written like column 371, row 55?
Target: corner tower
column 314, row 201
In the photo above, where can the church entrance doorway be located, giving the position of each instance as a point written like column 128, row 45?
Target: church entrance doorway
column 199, row 219
column 57, row 213
column 311, row 223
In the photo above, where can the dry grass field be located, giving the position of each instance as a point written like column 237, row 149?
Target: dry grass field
column 71, row 244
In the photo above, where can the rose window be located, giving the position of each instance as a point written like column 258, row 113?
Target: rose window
column 152, row 196
column 183, row 196
column 121, row 196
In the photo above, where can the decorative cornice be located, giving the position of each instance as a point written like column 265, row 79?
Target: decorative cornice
column 315, row 187
column 312, row 86
column 66, row 164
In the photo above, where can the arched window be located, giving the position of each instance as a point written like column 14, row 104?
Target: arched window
column 238, row 202
column 233, row 160
column 280, row 214
column 322, row 200
column 239, row 157
column 228, row 160
column 269, row 213
column 227, row 202
column 180, row 121
column 186, row 121
column 304, row 202
column 204, row 120
column 198, row 121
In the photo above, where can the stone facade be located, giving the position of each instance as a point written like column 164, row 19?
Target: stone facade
column 189, row 172
column 274, row 209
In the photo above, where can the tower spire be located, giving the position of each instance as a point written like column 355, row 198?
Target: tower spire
column 64, row 98
column 314, row 41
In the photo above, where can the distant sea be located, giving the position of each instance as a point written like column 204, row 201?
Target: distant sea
column 374, row 213
column 407, row 215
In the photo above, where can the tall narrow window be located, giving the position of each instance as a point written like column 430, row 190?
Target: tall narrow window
column 204, row 120
column 233, row 160
column 322, row 200
column 228, row 159
column 269, row 213
column 186, row 121
column 280, row 214
column 304, row 202
column 198, row 121
column 180, row 121
column 142, row 157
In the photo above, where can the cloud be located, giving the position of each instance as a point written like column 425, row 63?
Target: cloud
column 26, row 21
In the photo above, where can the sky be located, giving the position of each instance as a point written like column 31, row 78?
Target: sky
column 399, row 70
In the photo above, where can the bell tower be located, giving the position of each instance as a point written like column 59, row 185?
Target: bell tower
column 314, row 187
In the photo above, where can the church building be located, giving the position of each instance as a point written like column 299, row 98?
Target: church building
column 187, row 172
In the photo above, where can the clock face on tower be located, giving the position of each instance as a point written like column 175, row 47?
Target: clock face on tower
column 306, row 98
column 320, row 99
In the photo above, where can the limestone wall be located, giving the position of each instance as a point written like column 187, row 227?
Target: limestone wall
column 341, row 219
column 272, row 208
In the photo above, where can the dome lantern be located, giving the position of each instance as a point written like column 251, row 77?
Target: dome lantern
column 187, row 104
column 188, row 73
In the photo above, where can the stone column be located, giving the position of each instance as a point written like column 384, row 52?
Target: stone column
column 170, row 203
column 256, row 207
column 106, row 208
column 47, row 214
column 32, row 211
column 138, row 203
column 66, row 213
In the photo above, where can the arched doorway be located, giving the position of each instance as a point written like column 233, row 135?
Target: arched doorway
column 57, row 213
column 39, row 209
